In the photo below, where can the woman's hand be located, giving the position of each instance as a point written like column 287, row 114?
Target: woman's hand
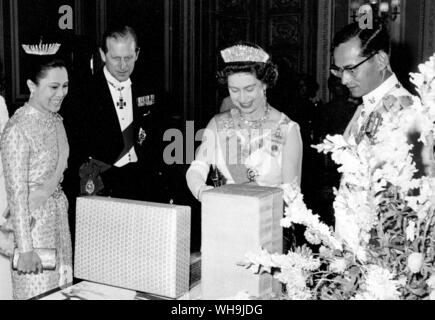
column 202, row 189
column 29, row 262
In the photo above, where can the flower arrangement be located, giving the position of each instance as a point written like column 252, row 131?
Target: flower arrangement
column 383, row 245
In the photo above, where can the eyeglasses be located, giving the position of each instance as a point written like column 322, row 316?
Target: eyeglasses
column 338, row 72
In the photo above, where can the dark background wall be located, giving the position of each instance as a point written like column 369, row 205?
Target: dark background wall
column 180, row 40
column 25, row 21
column 283, row 27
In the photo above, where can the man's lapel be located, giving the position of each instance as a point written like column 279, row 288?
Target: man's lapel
column 134, row 93
column 107, row 111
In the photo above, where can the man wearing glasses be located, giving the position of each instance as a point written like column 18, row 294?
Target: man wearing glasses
column 361, row 61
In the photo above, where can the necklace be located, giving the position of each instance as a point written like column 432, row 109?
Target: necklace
column 255, row 123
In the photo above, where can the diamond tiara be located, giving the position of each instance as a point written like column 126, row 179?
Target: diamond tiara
column 242, row 53
column 41, row 49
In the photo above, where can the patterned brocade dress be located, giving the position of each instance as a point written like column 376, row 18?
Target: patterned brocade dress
column 34, row 151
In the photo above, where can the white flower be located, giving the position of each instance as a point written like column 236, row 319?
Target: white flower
column 346, row 229
column 295, row 293
column 295, row 280
column 331, row 143
column 312, row 237
column 296, row 260
column 415, row 261
column 297, row 212
column 338, row 265
column 380, row 285
column 431, row 282
column 373, row 172
column 348, row 160
column 325, row 252
column 263, row 258
column 363, row 296
column 293, row 277
column 361, row 253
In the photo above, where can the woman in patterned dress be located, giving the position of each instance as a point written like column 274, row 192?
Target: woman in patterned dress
column 34, row 151
column 252, row 142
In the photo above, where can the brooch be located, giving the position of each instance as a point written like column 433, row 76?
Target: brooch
column 142, row 136
column 252, row 174
column 90, row 187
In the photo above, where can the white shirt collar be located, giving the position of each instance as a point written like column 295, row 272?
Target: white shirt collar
column 372, row 99
column 112, row 80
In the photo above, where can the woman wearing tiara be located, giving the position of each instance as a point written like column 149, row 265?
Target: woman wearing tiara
column 34, row 151
column 252, row 142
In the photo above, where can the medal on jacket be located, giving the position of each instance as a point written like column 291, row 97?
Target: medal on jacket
column 148, row 100
column 373, row 123
column 369, row 127
column 121, row 102
column 142, row 136
column 90, row 187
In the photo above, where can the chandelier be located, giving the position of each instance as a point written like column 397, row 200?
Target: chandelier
column 383, row 11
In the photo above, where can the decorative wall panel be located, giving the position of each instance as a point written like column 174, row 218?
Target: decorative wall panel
column 324, row 39
column 285, row 31
column 231, row 30
column 233, row 7
column 284, row 6
column 429, row 30
column 147, row 19
column 292, row 60
column 284, row 28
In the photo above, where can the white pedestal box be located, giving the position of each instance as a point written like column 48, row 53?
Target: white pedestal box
column 237, row 219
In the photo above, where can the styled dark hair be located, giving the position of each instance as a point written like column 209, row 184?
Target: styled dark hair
column 372, row 39
column 38, row 66
column 118, row 32
column 266, row 72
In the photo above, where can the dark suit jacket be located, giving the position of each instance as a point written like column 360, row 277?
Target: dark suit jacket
column 105, row 139
column 94, row 131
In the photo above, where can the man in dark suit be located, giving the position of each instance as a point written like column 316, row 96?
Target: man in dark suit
column 114, row 127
